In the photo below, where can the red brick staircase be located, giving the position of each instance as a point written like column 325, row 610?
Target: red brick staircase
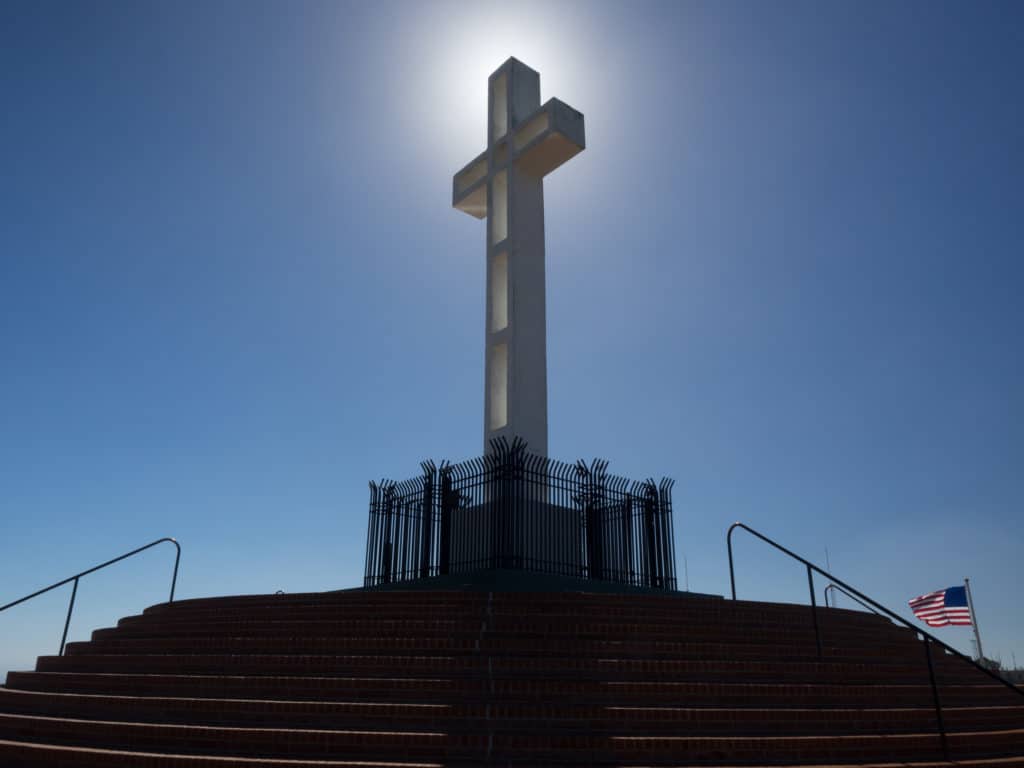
column 476, row 678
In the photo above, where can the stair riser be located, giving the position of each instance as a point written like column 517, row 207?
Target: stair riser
column 788, row 750
column 534, row 603
column 247, row 742
column 476, row 717
column 674, row 617
column 487, row 644
column 599, row 620
column 13, row 755
column 714, row 694
column 803, row 635
column 447, row 666
column 342, row 744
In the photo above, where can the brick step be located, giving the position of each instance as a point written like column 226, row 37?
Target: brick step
column 27, row 755
column 512, row 639
column 446, row 690
column 781, row 750
column 492, row 644
column 655, row 600
column 551, row 667
column 675, row 610
column 677, row 604
column 420, row 597
column 376, row 625
column 676, row 617
column 480, row 715
column 801, row 625
column 444, row 628
column 429, row 745
column 243, row 742
column 380, row 650
column 509, row 690
column 347, row 597
column 254, row 687
column 413, row 610
column 679, row 611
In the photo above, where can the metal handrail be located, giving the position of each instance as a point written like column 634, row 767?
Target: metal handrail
column 878, row 608
column 77, row 576
column 837, row 588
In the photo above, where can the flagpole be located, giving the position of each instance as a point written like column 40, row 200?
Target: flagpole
column 974, row 618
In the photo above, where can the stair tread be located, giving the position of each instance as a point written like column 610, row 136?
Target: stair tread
column 666, row 739
column 109, row 756
column 206, row 760
column 326, row 702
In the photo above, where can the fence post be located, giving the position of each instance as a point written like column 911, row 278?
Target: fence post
column 667, row 533
column 369, row 574
column 628, row 558
column 389, row 501
column 650, row 541
column 427, row 518
column 497, row 500
column 448, row 501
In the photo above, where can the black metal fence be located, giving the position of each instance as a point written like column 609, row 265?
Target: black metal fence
column 513, row 509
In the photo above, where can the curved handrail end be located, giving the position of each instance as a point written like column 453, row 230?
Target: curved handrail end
column 77, row 576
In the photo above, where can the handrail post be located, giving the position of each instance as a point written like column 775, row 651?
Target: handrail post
column 67, row 621
column 935, row 698
column 174, row 578
column 814, row 610
column 732, row 573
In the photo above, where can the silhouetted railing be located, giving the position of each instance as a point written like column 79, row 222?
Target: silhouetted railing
column 74, row 579
column 513, row 509
column 928, row 639
column 833, row 588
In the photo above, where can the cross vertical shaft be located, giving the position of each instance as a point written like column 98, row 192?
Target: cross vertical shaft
column 506, row 184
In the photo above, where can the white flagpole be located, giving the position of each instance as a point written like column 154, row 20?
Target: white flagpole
column 974, row 618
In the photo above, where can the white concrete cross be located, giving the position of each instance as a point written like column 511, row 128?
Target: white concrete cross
column 505, row 183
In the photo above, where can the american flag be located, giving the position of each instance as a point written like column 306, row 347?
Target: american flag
column 947, row 606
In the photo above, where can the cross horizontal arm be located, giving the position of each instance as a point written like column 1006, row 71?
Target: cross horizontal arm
column 538, row 145
column 469, row 187
column 549, row 137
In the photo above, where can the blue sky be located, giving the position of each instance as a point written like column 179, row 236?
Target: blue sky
column 786, row 272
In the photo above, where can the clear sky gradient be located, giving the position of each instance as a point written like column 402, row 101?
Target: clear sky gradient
column 786, row 271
